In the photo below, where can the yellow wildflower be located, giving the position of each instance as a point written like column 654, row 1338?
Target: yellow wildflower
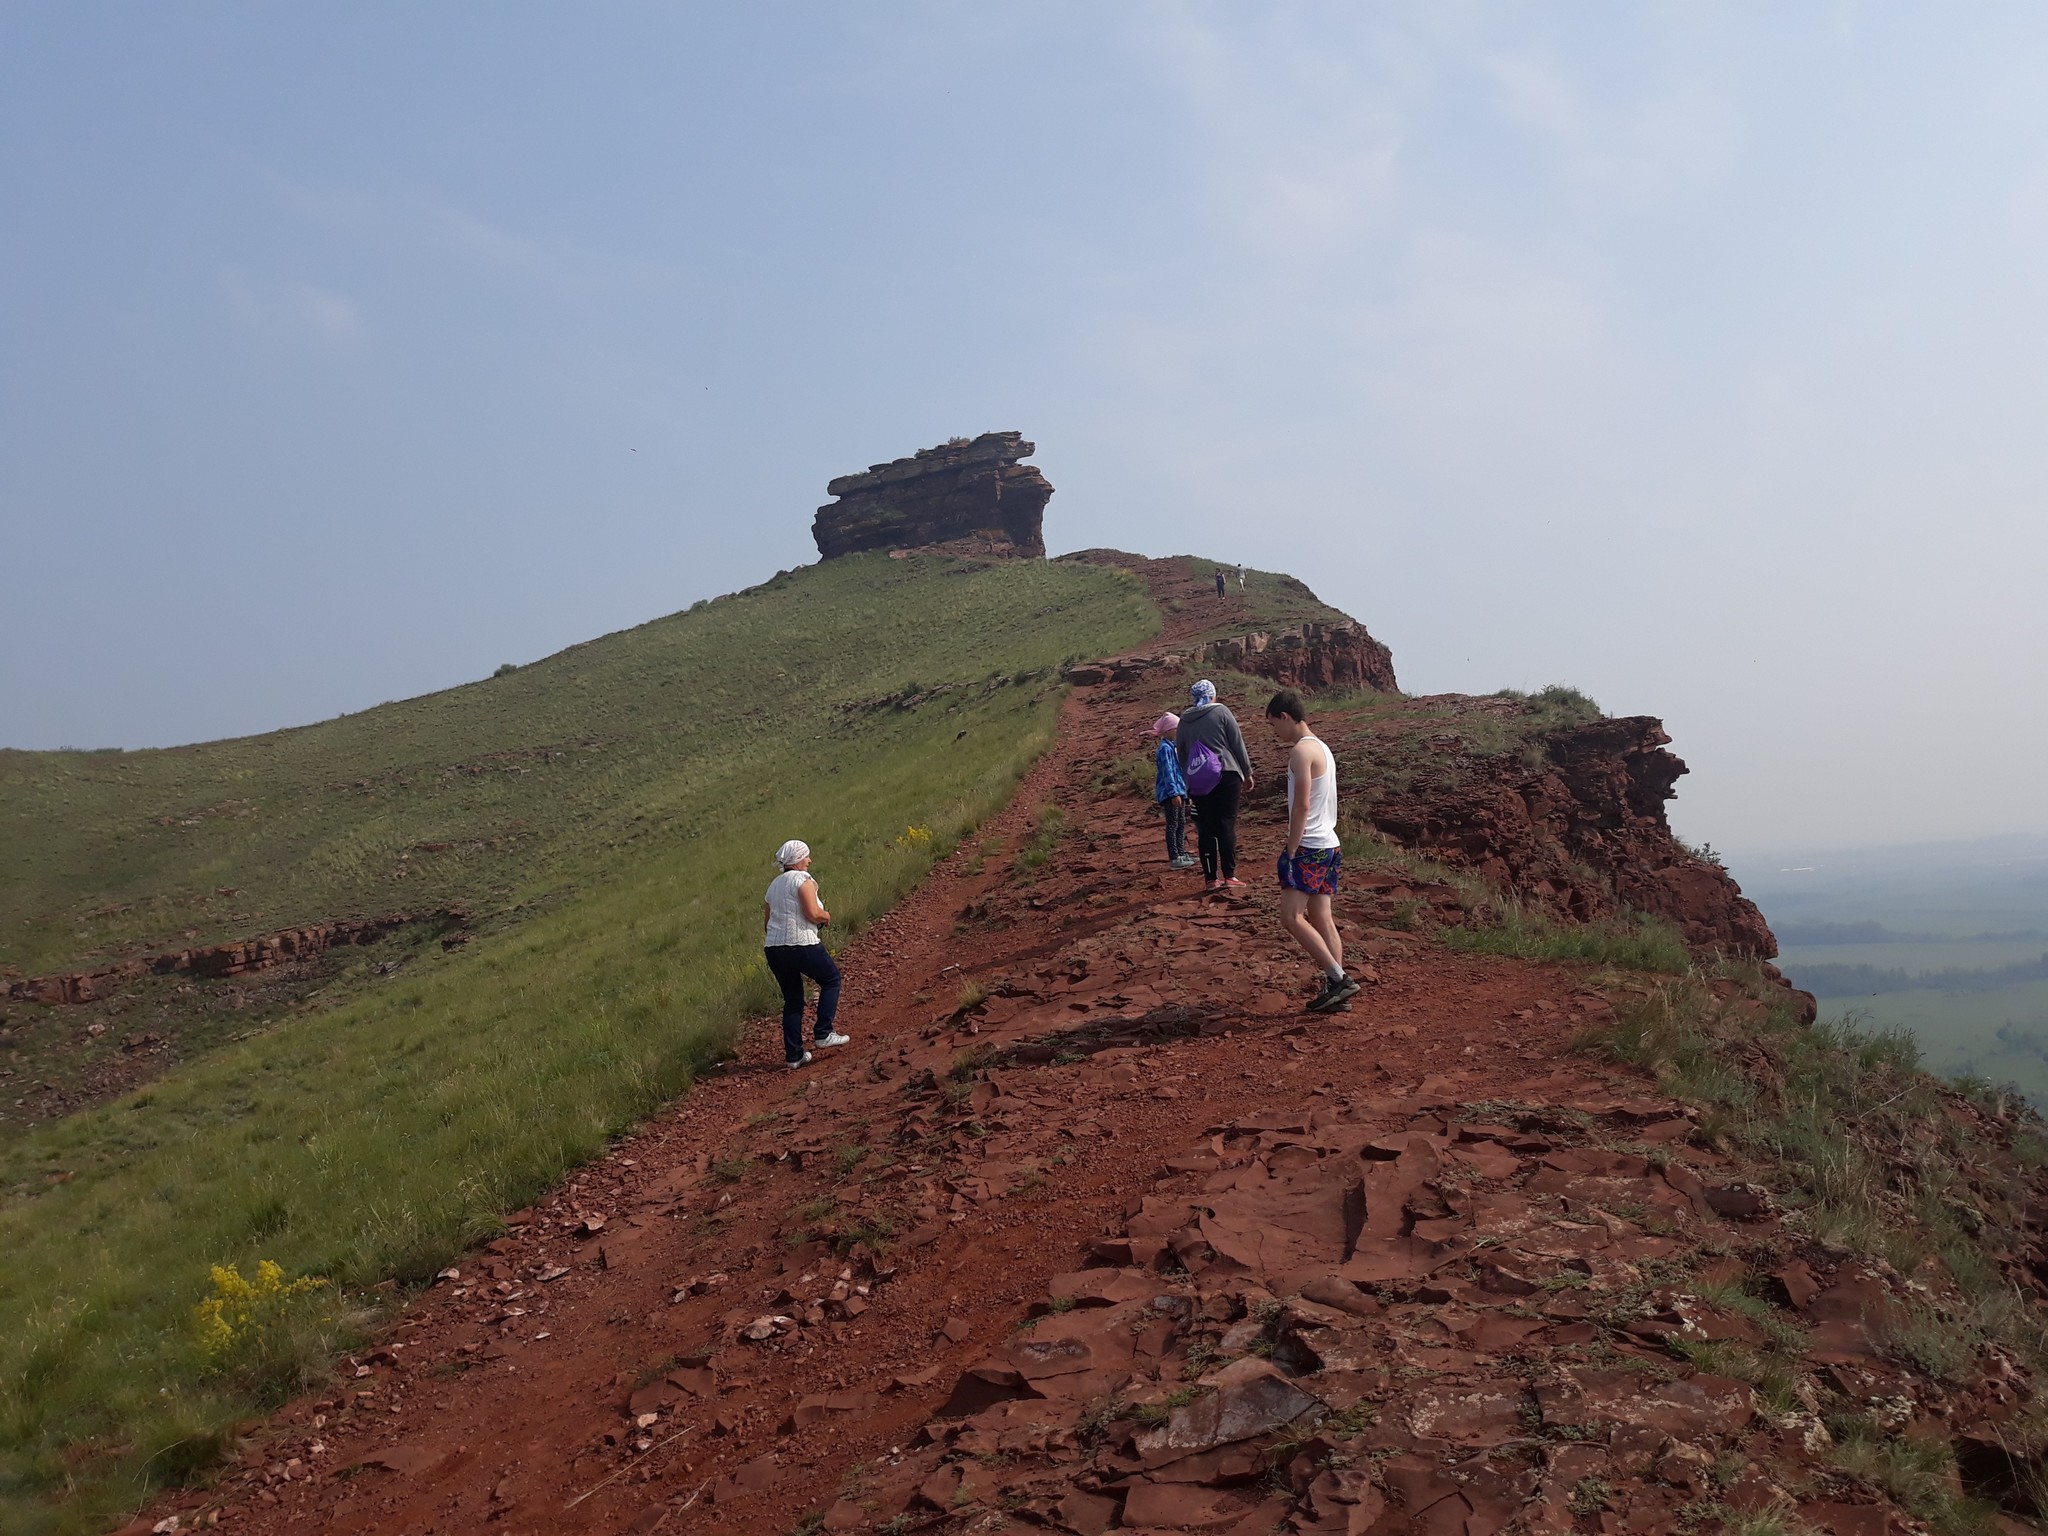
column 239, row 1307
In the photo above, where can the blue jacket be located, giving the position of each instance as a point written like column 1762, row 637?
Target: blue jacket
column 1167, row 779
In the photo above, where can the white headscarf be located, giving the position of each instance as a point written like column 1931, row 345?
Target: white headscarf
column 792, row 853
column 1203, row 693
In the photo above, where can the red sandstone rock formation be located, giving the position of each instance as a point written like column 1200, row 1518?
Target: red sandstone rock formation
column 1581, row 831
column 231, row 959
column 972, row 497
column 1312, row 656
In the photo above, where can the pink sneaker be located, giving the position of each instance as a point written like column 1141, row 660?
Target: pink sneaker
column 1232, row 884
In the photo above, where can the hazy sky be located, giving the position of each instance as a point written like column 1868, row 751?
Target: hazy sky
column 1692, row 355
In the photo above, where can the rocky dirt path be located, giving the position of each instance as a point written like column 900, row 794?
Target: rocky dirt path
column 1091, row 1228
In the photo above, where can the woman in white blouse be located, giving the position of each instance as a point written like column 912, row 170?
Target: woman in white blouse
column 791, row 916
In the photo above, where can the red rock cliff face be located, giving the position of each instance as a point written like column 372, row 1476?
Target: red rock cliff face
column 1581, row 832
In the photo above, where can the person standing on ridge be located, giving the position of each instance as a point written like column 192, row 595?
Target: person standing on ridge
column 1170, row 790
column 791, row 916
column 1218, row 771
column 1219, row 581
column 1312, row 858
column 1240, row 581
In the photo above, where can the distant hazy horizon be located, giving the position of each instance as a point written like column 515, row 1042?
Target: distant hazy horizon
column 1686, row 355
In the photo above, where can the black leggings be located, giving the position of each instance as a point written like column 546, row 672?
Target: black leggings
column 1216, row 828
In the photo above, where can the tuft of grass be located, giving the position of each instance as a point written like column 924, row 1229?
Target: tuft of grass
column 1914, row 1471
column 1918, row 1336
column 878, row 1232
column 969, row 1062
column 1048, row 826
column 1770, row 1522
column 1589, row 1496
column 1779, row 1330
column 1774, row 1376
column 1637, row 942
column 1150, row 1414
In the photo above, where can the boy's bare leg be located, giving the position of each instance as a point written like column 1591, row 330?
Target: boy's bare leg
column 1294, row 917
column 1324, row 921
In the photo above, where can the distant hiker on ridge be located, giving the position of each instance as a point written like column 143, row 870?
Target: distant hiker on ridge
column 1170, row 790
column 1311, row 859
column 791, row 916
column 1240, row 581
column 1218, row 771
column 1219, row 581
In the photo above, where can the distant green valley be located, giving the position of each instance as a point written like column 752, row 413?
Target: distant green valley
column 1949, row 941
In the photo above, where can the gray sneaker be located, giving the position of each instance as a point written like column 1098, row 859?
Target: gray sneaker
column 1335, row 997
column 805, row 1062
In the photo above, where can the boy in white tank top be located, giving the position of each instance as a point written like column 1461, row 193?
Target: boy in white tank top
column 1310, row 862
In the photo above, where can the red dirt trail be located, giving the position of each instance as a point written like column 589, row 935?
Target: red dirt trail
column 1393, row 1214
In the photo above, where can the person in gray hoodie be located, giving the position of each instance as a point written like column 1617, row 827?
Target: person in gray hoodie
column 1211, row 725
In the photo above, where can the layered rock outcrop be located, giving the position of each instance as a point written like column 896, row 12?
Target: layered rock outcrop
column 234, row 958
column 1579, row 829
column 969, row 496
column 1311, row 656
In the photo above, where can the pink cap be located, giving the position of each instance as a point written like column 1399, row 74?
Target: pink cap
column 1166, row 724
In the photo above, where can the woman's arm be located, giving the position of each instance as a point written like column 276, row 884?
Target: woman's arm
column 814, row 909
column 767, row 917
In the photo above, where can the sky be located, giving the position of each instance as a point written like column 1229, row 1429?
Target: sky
column 1691, row 355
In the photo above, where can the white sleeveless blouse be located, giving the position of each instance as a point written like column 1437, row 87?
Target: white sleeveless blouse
column 786, row 921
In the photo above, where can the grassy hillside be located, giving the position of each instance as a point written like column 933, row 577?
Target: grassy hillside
column 2000, row 1036
column 615, row 807
column 532, row 780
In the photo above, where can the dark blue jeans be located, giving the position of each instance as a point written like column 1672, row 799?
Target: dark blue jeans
column 1176, row 827
column 791, row 963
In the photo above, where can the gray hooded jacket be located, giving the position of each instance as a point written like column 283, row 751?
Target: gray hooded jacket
column 1216, row 726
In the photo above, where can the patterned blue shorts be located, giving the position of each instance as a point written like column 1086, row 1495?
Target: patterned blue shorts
column 1313, row 871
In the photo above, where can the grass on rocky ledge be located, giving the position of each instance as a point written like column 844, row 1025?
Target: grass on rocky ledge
column 1869, row 1155
column 375, row 1136
column 1634, row 941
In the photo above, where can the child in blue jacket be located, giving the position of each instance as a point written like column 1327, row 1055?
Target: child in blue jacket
column 1170, row 789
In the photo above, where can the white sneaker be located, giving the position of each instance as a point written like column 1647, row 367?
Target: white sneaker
column 793, row 1065
column 835, row 1038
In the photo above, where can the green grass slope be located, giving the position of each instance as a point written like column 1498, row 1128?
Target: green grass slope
column 373, row 1135
column 532, row 781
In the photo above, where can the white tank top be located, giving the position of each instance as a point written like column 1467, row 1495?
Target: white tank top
column 786, row 921
column 1320, row 829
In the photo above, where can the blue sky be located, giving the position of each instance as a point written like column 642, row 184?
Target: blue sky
column 1692, row 355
